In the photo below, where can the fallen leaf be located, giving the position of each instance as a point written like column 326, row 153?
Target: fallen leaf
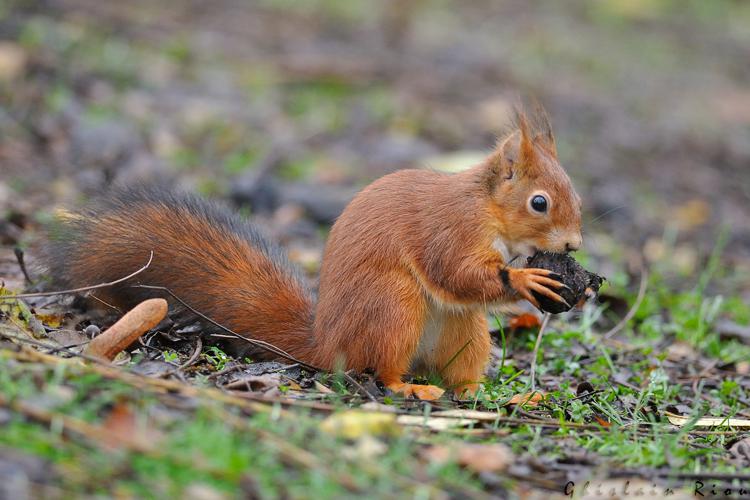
column 527, row 399
column 680, row 420
column 255, row 383
column 493, row 457
column 526, row 320
column 294, row 386
column 353, row 424
column 602, row 422
column 124, row 431
column 321, row 388
column 52, row 320
column 69, row 338
column 678, row 351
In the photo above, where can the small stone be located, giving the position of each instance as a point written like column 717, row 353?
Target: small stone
column 91, row 331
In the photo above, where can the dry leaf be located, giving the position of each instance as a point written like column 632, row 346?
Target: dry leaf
column 294, row 386
column 527, row 399
column 680, row 420
column 123, row 431
column 256, row 383
column 526, row 320
column 321, row 388
column 69, row 338
column 602, row 422
column 678, row 351
column 52, row 319
column 494, row 457
column 353, row 424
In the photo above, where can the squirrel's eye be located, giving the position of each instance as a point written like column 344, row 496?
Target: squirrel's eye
column 539, row 203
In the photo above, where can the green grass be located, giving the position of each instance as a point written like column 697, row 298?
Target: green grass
column 212, row 444
column 226, row 447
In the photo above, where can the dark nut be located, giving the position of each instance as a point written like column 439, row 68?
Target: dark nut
column 571, row 273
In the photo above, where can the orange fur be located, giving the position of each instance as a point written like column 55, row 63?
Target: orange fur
column 409, row 270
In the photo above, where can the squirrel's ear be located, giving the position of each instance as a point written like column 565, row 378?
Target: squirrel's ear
column 504, row 161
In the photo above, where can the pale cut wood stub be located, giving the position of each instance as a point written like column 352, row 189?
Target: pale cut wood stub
column 127, row 329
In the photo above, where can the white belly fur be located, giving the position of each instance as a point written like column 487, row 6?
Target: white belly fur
column 428, row 342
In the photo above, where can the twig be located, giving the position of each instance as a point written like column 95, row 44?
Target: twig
column 52, row 348
column 196, row 354
column 536, row 350
column 360, row 387
column 22, row 264
column 636, row 305
column 226, row 371
column 82, row 289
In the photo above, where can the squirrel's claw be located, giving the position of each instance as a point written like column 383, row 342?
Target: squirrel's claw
column 549, row 293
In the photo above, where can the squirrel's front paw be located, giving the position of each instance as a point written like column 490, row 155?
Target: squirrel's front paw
column 541, row 281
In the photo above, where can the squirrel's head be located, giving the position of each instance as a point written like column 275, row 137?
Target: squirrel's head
column 535, row 203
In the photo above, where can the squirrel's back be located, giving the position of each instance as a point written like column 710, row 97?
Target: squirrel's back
column 214, row 261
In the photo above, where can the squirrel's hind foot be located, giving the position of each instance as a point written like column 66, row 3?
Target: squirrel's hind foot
column 423, row 392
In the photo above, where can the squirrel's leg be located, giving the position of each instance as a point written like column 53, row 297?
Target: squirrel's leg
column 462, row 351
column 404, row 324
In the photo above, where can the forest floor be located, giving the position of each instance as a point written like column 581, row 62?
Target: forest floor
column 284, row 111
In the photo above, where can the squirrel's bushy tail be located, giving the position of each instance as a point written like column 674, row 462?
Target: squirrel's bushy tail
column 210, row 258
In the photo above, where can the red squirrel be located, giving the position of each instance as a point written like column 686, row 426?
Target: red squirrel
column 409, row 270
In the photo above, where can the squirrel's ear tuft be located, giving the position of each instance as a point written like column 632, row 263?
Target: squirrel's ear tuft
column 542, row 130
column 535, row 129
column 526, row 148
